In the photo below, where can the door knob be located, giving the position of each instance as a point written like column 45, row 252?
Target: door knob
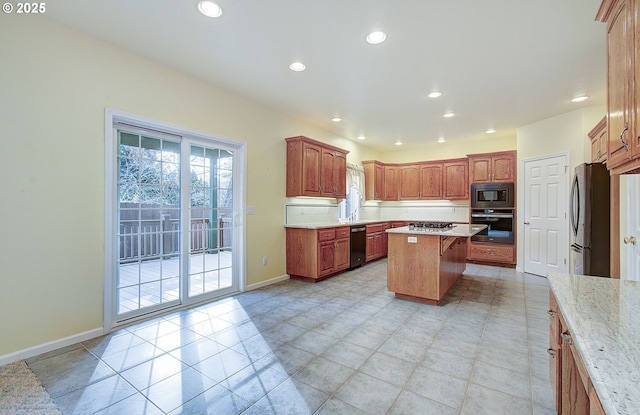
column 526, row 222
column 630, row 240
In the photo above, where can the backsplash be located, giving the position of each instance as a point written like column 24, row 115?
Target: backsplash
column 296, row 214
column 301, row 214
column 452, row 213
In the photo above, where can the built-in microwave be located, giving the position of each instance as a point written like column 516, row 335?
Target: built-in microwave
column 492, row 195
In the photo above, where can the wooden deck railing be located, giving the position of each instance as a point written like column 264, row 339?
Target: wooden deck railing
column 152, row 238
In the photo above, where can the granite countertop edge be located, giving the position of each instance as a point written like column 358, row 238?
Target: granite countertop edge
column 591, row 308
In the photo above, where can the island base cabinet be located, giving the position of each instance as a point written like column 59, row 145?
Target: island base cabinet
column 423, row 268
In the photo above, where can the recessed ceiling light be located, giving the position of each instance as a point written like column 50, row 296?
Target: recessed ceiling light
column 297, row 66
column 361, row 137
column 448, row 114
column 434, row 94
column 398, row 142
column 336, row 119
column 580, row 98
column 441, row 140
column 490, row 131
column 209, row 9
column 376, row 38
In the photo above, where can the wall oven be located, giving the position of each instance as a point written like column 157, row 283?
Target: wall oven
column 492, row 195
column 500, row 224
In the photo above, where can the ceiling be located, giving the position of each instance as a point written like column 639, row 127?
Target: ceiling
column 500, row 64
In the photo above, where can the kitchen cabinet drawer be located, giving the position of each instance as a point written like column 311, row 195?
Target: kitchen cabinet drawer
column 326, row 235
column 344, row 232
column 492, row 252
column 375, row 228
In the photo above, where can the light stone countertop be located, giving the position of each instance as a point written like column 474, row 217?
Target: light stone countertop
column 459, row 230
column 603, row 316
column 325, row 225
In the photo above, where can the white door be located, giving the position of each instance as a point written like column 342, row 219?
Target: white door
column 546, row 231
column 631, row 238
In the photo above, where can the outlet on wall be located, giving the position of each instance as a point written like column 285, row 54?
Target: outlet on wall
column 264, row 260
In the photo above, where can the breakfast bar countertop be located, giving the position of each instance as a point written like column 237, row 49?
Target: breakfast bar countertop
column 603, row 316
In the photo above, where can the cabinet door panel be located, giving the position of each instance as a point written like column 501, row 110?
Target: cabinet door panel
column 409, row 183
column 431, row 181
column 340, row 175
column 456, row 180
column 326, row 257
column 342, row 254
column 390, row 183
column 619, row 32
column 503, row 169
column 311, row 169
column 480, row 170
column 327, row 185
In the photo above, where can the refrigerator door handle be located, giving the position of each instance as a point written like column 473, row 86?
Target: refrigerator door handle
column 575, row 206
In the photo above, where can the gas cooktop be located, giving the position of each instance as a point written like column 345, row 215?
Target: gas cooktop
column 431, row 225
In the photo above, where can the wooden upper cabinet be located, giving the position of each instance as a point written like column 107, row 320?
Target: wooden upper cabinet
column 421, row 181
column 315, row 169
column 620, row 74
column 373, row 179
column 497, row 167
column 334, row 167
column 416, row 181
column 340, row 172
column 410, row 182
column 455, row 181
column 598, row 136
column 390, row 182
column 431, row 181
column 623, row 90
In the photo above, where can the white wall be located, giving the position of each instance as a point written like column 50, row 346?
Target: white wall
column 56, row 83
column 566, row 133
column 450, row 150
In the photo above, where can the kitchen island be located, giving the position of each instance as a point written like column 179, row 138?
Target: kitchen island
column 424, row 263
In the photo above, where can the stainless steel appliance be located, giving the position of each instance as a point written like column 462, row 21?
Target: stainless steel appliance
column 358, row 254
column 589, row 208
column 500, row 224
column 492, row 195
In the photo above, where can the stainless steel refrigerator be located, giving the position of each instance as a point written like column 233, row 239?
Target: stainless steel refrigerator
column 590, row 212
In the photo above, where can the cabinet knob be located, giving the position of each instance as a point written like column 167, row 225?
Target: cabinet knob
column 630, row 240
column 567, row 337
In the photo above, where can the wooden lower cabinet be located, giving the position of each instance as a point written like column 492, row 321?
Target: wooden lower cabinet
column 555, row 353
column 494, row 254
column 572, row 389
column 377, row 241
column 313, row 255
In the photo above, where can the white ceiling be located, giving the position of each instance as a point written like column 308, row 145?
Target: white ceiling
column 501, row 63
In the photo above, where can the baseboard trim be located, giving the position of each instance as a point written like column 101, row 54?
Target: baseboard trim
column 49, row 346
column 267, row 282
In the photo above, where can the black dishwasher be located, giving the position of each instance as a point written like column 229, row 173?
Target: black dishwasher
column 358, row 245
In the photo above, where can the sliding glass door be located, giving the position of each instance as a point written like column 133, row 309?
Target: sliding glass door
column 175, row 231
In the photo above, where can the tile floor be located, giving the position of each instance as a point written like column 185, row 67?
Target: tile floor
column 341, row 346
